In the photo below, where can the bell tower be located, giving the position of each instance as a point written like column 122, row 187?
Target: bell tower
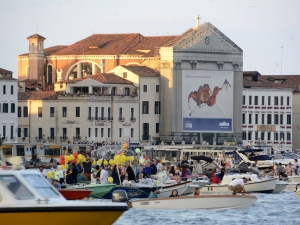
column 36, row 57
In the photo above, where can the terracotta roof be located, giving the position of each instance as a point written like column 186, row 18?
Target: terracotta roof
column 291, row 81
column 143, row 71
column 105, row 78
column 264, row 83
column 3, row 71
column 32, row 85
column 6, row 74
column 38, row 95
column 50, row 50
column 36, row 36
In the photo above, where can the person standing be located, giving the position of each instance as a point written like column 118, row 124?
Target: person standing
column 42, row 172
column 197, row 167
column 109, row 171
column 296, row 164
column 87, row 168
column 103, row 175
column 81, row 177
column 238, row 185
column 153, row 166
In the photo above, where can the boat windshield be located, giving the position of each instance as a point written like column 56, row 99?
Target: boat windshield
column 40, row 185
column 15, row 187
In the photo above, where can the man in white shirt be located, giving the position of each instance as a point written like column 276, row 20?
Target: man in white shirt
column 237, row 185
column 197, row 167
column 158, row 165
column 103, row 175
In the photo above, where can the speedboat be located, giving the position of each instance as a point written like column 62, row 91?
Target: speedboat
column 99, row 190
column 75, row 194
column 253, row 185
column 132, row 192
column 280, row 186
column 166, row 189
column 225, row 201
column 26, row 196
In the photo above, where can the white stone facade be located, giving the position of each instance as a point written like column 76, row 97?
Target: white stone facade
column 267, row 117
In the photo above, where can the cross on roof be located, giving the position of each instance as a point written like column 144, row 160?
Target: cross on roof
column 198, row 20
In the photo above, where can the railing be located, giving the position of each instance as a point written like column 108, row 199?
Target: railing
column 145, row 137
column 110, row 118
column 90, row 118
column 38, row 138
column 102, row 118
column 51, row 138
column 77, row 137
column 133, row 119
column 121, row 119
column 64, row 138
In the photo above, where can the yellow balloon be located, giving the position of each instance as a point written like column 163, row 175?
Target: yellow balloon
column 105, row 162
column 117, row 158
column 123, row 158
column 62, row 167
column 111, row 162
column 50, row 174
column 71, row 157
column 131, row 158
column 83, row 160
column 67, row 158
column 99, row 161
column 110, row 180
column 80, row 156
column 94, row 163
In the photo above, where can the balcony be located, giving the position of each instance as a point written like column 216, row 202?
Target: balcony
column 12, row 138
column 63, row 138
column 145, row 137
column 90, row 118
column 121, row 119
column 51, row 139
column 102, row 118
column 110, row 118
column 76, row 138
column 97, row 118
column 38, row 138
column 132, row 119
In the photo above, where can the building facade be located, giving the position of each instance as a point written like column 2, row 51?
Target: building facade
column 8, row 113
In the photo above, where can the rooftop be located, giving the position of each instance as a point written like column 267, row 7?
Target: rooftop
column 143, row 71
column 38, row 95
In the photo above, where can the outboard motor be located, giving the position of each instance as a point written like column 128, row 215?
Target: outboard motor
column 119, row 196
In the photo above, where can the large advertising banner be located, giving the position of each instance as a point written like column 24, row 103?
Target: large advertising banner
column 207, row 101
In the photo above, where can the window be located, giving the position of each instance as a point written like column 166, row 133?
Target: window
column 77, row 112
column 250, row 118
column 40, row 46
column 131, row 132
column 288, row 101
column 282, row 136
column 157, row 107
column 144, row 88
column 11, row 132
column 124, row 74
column 19, row 111
column 269, row 100
column 108, row 112
column 281, row 118
column 64, row 111
column 25, row 111
column 255, row 100
column 49, row 78
column 276, row 136
column 52, row 133
column 157, row 88
column 12, row 107
column 256, row 136
column 275, row 118
column 4, row 89
column 12, row 89
column 96, row 132
column 262, row 118
column 281, row 100
column 289, row 119
column 269, row 119
column 89, row 132
column 244, row 136
column 102, row 112
column 40, row 111
column 32, row 47
column 256, row 118
column 250, row 135
column 25, row 132
column 90, row 113
column 15, row 187
column 108, row 132
column 131, row 113
column 262, row 136
column 244, row 115
column 250, row 100
column 114, row 91
column 96, row 113
column 244, row 99
column 263, row 100
column 157, row 128
column 64, row 133
column 40, row 133
column 269, row 136
column 102, row 132
column 276, row 100
column 145, row 107
column 145, row 131
column 19, row 132
column 288, row 137
column 51, row 111
column 120, row 132
column 4, row 131
column 120, row 113
column 126, row 91
column 77, row 133
column 5, row 107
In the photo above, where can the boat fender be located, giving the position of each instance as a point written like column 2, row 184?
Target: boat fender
column 119, row 196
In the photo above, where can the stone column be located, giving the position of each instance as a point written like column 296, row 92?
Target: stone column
column 79, row 72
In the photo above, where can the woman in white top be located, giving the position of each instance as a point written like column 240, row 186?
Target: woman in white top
column 59, row 174
column 162, row 175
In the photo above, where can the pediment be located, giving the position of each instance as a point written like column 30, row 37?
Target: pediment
column 87, row 82
column 207, row 38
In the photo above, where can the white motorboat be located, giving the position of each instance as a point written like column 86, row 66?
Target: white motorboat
column 280, row 186
column 226, row 201
column 253, row 185
column 167, row 189
column 26, row 196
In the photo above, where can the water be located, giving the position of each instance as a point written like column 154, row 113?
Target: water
column 269, row 209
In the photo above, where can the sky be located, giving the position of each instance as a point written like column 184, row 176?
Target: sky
column 262, row 28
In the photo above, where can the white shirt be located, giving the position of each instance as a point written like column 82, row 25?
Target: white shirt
column 198, row 168
column 158, row 166
column 236, row 182
column 161, row 176
column 103, row 177
column 126, row 183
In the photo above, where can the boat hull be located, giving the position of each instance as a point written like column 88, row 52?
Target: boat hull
column 75, row 194
column 166, row 191
column 99, row 190
column 197, row 202
column 280, row 186
column 132, row 192
column 264, row 186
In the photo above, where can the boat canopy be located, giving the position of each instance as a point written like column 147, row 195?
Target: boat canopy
column 202, row 157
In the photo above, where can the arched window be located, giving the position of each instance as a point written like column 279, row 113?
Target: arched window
column 40, row 46
column 49, row 74
column 32, row 47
